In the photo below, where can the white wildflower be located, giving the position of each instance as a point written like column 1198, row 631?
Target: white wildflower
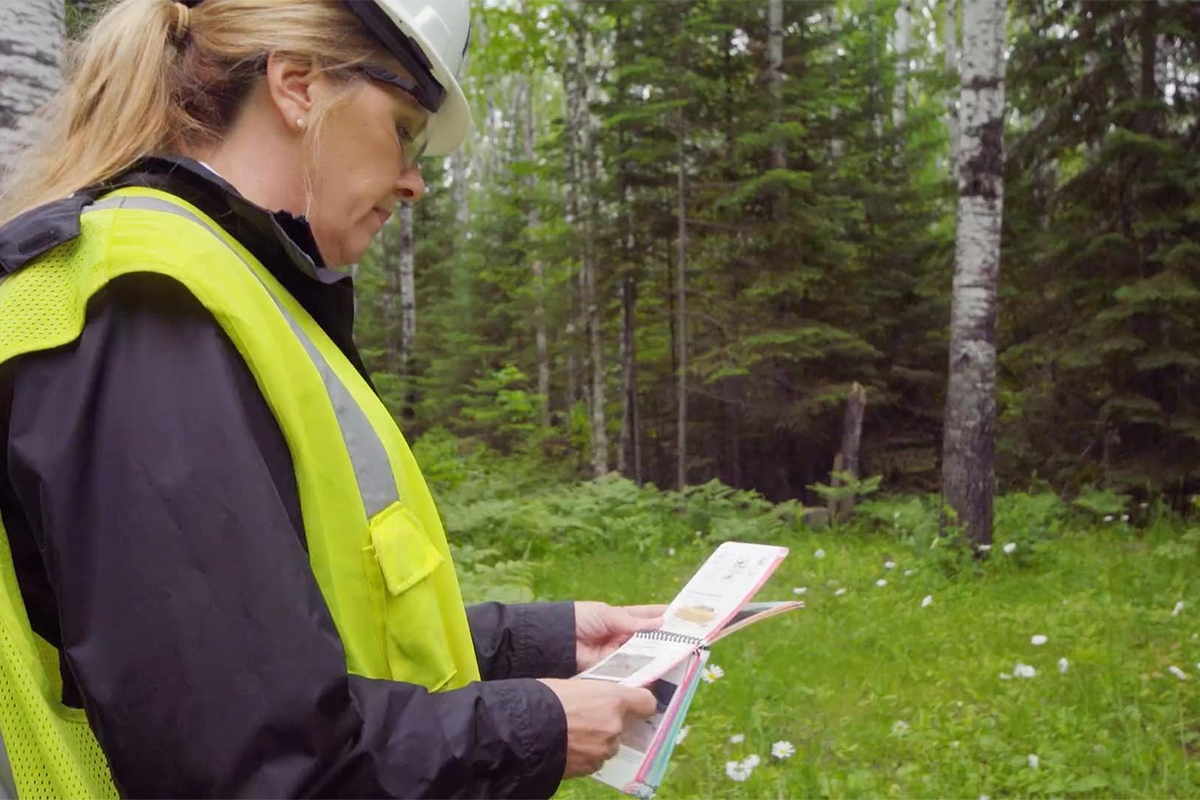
column 908, row 573
column 737, row 771
column 1177, row 672
column 1143, row 505
column 927, row 601
column 840, row 592
column 881, row 582
column 954, row 745
column 1124, row 518
column 1108, row 517
column 900, row 728
column 1023, row 671
column 1033, row 761
column 683, row 732
column 819, row 554
column 1063, row 665
column 712, row 674
column 1010, row 548
column 1178, row 607
column 800, row 590
column 889, row 565
column 895, row 515
column 983, row 548
column 1038, row 640
column 737, row 738
column 1004, row 676
column 783, row 750
column 671, row 551
column 984, row 797
column 751, row 761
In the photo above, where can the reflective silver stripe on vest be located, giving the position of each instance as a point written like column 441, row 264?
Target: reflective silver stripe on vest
column 8, row 784
column 372, row 469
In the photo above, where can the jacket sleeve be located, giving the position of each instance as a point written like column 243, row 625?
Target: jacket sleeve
column 159, row 488
column 527, row 640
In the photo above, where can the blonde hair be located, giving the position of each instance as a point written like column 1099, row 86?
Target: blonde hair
column 153, row 76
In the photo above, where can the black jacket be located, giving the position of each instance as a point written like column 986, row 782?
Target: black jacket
column 154, row 520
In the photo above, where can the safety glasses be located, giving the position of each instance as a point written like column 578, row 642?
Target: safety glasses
column 412, row 143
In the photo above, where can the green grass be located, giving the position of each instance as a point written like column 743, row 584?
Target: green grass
column 835, row 678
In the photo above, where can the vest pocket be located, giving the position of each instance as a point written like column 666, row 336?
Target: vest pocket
column 400, row 563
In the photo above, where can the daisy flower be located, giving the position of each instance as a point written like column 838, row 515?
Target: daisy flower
column 1177, row 672
column 889, row 565
column 819, row 554
column 737, row 738
column 712, row 674
column 1063, row 665
column 1038, row 640
column 1178, row 607
column 881, row 582
column 782, row 750
column 683, row 732
column 1033, row 761
column 1010, row 548
column 1023, row 671
column 840, row 592
column 800, row 590
column 737, row 771
column 927, row 601
column 900, row 728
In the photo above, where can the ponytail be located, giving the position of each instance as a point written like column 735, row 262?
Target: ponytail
column 155, row 76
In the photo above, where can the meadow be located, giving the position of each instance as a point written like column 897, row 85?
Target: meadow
column 883, row 693
column 1066, row 664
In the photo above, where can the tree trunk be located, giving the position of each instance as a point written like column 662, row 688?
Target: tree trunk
column 460, row 191
column 775, row 81
column 408, row 310
column 681, row 318
column 950, row 35
column 835, row 110
column 968, row 439
column 630, row 451
column 532, row 220
column 31, row 40
column 903, row 34
column 585, row 207
column 847, row 457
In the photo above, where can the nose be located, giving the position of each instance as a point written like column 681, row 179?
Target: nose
column 411, row 185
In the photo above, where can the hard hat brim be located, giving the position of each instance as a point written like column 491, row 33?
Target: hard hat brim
column 448, row 128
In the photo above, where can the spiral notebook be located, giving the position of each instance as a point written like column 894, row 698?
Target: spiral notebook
column 669, row 661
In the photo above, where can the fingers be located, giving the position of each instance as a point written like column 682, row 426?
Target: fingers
column 653, row 610
column 639, row 702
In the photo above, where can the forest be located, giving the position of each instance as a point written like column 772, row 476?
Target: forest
column 682, row 231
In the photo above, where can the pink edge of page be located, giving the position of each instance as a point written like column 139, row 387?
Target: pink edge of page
column 665, row 726
column 750, row 595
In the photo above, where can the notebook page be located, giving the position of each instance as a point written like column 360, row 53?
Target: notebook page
column 730, row 577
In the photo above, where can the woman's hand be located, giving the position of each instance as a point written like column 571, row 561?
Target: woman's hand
column 600, row 628
column 597, row 713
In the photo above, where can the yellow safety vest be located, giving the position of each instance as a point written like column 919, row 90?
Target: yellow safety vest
column 375, row 540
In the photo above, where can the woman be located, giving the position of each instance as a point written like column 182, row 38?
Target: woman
column 223, row 572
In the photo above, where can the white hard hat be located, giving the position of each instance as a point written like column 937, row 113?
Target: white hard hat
column 430, row 38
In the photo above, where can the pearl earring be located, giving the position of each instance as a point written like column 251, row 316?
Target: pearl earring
column 300, row 123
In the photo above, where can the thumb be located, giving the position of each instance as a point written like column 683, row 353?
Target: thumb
column 639, row 702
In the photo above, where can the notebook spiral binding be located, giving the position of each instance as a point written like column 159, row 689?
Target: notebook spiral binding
column 668, row 636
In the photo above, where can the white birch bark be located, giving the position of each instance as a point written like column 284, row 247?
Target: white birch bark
column 585, row 208
column 968, row 439
column 31, row 41
column 903, row 35
column 532, row 220
column 408, row 297
column 775, row 74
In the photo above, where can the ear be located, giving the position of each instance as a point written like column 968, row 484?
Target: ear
column 293, row 85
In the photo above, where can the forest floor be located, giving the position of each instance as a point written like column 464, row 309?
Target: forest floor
column 886, row 694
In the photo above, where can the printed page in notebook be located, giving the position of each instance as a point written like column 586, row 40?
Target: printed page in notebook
column 730, row 577
column 644, row 739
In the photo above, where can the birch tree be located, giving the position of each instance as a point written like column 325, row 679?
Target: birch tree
column 968, row 438
column 775, row 80
column 408, row 299
column 532, row 220
column 31, row 39
column 903, row 35
column 585, row 208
